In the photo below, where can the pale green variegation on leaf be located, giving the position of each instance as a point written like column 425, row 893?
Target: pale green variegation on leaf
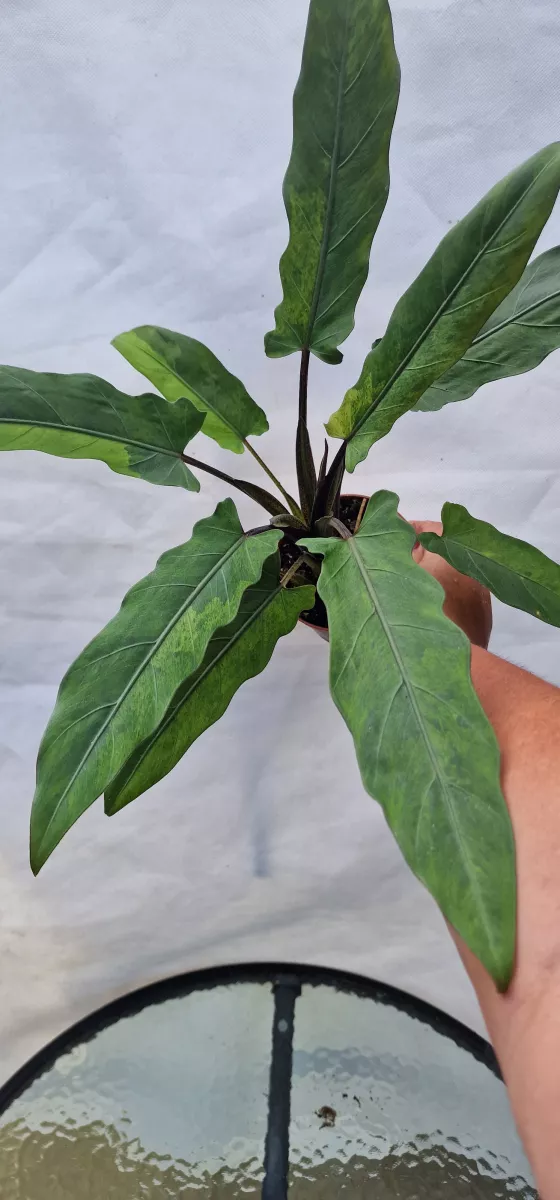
column 519, row 335
column 235, row 653
column 337, row 182
column 400, row 675
column 119, row 689
column 81, row 416
column 517, row 573
column 180, row 366
column 473, row 269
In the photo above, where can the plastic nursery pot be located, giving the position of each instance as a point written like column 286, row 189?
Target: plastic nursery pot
column 323, row 630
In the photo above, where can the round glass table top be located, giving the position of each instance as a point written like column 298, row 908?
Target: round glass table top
column 170, row 1091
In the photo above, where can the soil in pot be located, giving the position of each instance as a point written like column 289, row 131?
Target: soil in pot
column 351, row 509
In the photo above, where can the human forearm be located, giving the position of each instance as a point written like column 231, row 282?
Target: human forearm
column 524, row 1025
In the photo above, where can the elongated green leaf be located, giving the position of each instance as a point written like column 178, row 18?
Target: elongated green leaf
column 519, row 335
column 337, row 182
column 400, row 675
column 236, row 653
column 516, row 572
column 80, row 416
column 120, row 687
column 180, row 366
column 474, row 268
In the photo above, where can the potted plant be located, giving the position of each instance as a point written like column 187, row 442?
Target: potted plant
column 211, row 612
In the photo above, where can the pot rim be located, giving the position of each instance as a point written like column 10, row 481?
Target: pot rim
column 323, row 630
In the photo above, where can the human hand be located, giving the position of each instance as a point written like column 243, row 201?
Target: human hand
column 467, row 603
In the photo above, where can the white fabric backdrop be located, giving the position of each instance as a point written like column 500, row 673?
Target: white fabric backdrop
column 144, row 144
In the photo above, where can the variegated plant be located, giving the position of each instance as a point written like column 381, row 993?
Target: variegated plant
column 211, row 612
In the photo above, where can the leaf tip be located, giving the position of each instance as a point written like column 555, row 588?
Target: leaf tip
column 333, row 357
column 500, row 963
column 503, row 979
column 37, row 857
column 110, row 802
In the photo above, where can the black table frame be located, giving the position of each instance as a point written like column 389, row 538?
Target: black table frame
column 286, row 981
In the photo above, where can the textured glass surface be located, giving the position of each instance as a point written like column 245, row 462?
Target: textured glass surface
column 384, row 1107
column 158, row 1105
column 173, row 1101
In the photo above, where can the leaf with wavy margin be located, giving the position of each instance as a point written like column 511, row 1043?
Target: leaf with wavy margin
column 235, row 653
column 180, row 366
column 81, row 416
column 472, row 271
column 119, row 689
column 517, row 573
column 400, row 675
column 518, row 337
column 337, row 181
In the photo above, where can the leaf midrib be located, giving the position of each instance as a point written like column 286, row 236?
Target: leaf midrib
column 173, row 710
column 98, row 435
column 146, row 661
column 331, row 194
column 151, row 353
column 503, row 567
column 428, row 329
column 370, row 588
column 482, row 337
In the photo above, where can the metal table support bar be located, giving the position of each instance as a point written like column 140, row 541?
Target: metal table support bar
column 287, row 988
